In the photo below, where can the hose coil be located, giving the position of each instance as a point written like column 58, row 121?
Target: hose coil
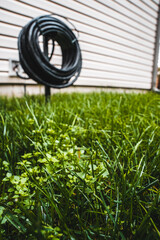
column 37, row 65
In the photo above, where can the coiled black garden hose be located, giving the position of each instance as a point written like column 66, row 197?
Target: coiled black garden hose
column 33, row 60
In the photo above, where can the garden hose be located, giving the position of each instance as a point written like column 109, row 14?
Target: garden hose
column 34, row 61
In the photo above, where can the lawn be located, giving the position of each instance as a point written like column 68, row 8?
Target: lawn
column 82, row 166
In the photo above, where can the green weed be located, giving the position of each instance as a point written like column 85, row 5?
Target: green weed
column 82, row 166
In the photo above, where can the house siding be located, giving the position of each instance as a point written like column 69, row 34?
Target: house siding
column 117, row 38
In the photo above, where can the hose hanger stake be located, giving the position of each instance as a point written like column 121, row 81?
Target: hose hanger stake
column 36, row 62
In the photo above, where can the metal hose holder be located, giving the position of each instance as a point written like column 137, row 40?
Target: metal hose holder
column 36, row 62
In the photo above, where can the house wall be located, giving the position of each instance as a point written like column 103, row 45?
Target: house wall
column 117, row 38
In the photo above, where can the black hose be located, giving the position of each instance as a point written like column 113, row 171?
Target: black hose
column 34, row 62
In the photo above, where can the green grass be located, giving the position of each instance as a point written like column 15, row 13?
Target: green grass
column 83, row 166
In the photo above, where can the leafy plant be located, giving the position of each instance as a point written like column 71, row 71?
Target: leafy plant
column 83, row 166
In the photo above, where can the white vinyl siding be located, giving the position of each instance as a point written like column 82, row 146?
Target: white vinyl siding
column 117, row 38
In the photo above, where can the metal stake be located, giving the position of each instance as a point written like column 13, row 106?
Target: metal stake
column 45, row 50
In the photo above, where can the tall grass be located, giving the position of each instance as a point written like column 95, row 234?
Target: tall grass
column 83, row 166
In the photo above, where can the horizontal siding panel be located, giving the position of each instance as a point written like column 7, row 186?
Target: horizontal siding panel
column 5, row 80
column 9, row 30
column 117, row 69
column 107, row 75
column 8, row 53
column 4, row 66
column 112, row 83
column 8, row 42
column 3, row 74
